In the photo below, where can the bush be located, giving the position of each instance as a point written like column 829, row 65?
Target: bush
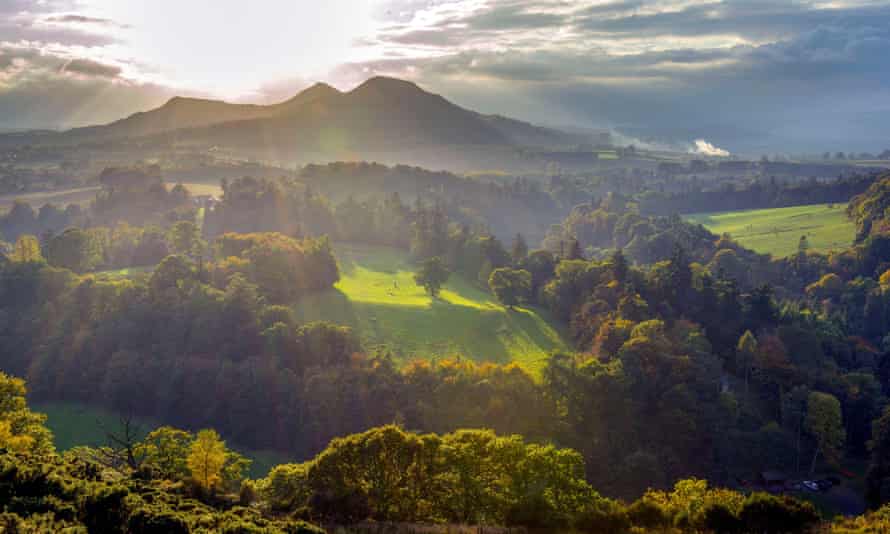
column 532, row 512
column 107, row 509
column 647, row 514
column 148, row 521
column 770, row 514
column 604, row 516
column 720, row 519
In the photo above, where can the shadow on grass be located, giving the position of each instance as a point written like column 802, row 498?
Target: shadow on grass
column 534, row 323
column 332, row 305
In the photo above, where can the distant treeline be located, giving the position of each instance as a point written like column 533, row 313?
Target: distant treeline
column 320, row 200
column 759, row 195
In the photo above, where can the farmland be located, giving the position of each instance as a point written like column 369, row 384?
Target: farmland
column 777, row 231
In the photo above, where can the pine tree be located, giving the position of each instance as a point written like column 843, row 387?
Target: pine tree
column 575, row 252
column 520, row 249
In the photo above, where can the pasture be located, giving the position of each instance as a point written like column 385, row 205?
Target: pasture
column 777, row 231
column 74, row 424
column 377, row 296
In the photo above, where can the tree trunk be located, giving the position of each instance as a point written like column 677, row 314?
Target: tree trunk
column 815, row 455
column 797, row 461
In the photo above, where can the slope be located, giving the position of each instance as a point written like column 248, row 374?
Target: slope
column 381, row 114
column 777, row 231
column 378, row 297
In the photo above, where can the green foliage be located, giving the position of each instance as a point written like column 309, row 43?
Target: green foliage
column 281, row 267
column 511, row 286
column 73, row 249
column 51, row 493
column 432, row 275
column 165, row 450
column 185, row 238
column 824, row 422
column 469, row 476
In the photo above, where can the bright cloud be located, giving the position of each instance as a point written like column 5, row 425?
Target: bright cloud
column 700, row 146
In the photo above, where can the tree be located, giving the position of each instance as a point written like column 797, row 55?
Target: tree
column 574, row 251
column 166, row 450
column 73, row 249
column 510, row 286
column 825, row 423
column 803, row 245
column 619, row 265
column 206, row 459
column 878, row 477
column 185, row 238
column 26, row 249
column 520, row 249
column 745, row 352
column 20, row 429
column 432, row 275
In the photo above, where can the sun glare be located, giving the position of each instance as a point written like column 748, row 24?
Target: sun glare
column 225, row 46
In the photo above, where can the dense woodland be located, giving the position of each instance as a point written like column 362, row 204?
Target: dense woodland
column 695, row 357
column 759, row 195
column 174, row 481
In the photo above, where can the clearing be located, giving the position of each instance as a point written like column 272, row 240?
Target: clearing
column 377, row 296
column 74, row 424
column 777, row 231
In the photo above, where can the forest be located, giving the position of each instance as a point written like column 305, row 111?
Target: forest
column 693, row 359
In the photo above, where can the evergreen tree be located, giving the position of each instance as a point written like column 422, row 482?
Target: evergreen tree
column 519, row 250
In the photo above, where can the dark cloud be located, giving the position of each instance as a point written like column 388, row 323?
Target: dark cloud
column 91, row 68
column 39, row 88
column 750, row 75
column 754, row 75
column 81, row 19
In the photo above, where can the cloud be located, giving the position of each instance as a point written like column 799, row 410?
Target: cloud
column 700, row 146
column 752, row 75
column 81, row 19
column 748, row 76
column 88, row 67
column 44, row 86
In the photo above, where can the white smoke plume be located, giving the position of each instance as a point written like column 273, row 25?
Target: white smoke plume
column 707, row 149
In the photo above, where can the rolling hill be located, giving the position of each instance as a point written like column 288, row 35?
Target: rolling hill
column 380, row 115
column 777, row 231
column 377, row 296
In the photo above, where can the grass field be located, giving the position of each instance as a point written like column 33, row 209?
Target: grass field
column 378, row 297
column 127, row 272
column 777, row 231
column 80, row 195
column 76, row 424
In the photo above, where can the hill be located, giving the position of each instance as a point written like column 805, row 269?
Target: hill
column 378, row 297
column 381, row 114
column 777, row 231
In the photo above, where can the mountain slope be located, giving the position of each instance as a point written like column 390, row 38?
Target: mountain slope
column 380, row 115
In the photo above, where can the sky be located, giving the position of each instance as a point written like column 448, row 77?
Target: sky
column 717, row 76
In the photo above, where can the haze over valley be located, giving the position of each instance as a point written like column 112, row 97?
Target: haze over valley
column 444, row 266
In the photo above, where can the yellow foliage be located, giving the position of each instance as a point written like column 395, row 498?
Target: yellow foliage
column 10, row 441
column 207, row 456
column 885, row 279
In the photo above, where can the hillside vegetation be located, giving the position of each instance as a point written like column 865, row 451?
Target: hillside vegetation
column 77, row 425
column 378, row 297
column 777, row 231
